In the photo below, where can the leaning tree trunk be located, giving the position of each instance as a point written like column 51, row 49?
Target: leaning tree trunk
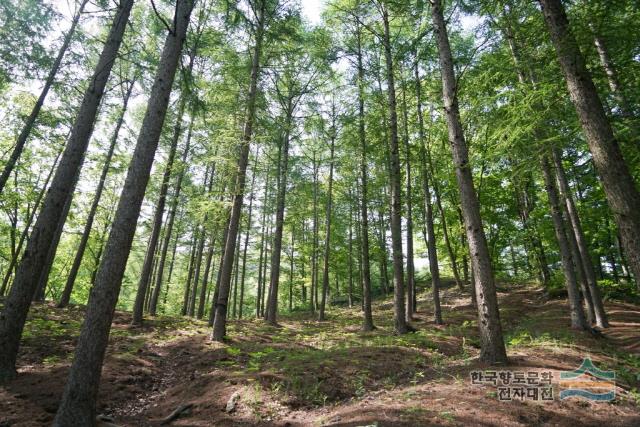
column 84, row 240
column 400, row 320
column 617, row 182
column 578, row 320
column 17, row 304
column 220, row 317
column 491, row 340
column 581, row 241
column 327, row 232
column 78, row 405
column 31, row 120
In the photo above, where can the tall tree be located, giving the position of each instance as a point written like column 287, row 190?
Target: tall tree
column 491, row 340
column 220, row 318
column 78, row 405
column 400, row 321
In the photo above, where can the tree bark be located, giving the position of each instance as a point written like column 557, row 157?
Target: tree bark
column 78, row 405
column 491, row 340
column 18, row 302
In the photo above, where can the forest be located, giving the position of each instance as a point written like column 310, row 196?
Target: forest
column 319, row 213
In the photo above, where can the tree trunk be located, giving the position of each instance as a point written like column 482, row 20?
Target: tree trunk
column 17, row 304
column 169, row 229
column 578, row 320
column 327, row 232
column 492, row 343
column 78, row 405
column 216, row 293
column 384, row 272
column 205, row 279
column 262, row 257
column 350, row 255
column 291, row 270
column 192, row 262
column 220, row 318
column 581, row 241
column 75, row 267
column 282, row 173
column 428, row 206
column 612, row 74
column 617, row 182
column 145, row 273
column 31, row 120
column 191, row 306
column 51, row 255
column 411, row 281
column 314, row 254
column 236, row 270
column 400, row 321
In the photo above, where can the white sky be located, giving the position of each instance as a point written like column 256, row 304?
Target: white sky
column 312, row 9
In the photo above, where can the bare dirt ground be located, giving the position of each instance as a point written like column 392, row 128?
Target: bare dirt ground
column 306, row 373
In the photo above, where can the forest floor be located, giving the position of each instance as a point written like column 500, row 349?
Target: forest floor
column 330, row 373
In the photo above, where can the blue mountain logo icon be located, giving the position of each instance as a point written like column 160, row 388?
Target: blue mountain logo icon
column 588, row 382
